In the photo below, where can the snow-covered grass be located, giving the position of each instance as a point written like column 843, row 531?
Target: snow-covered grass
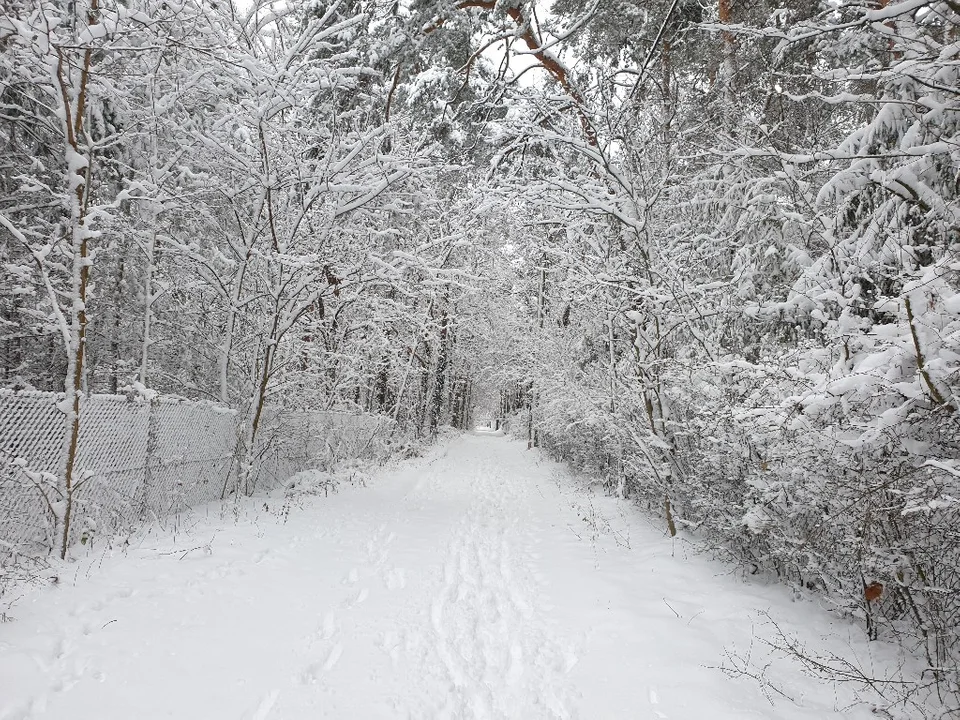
column 478, row 581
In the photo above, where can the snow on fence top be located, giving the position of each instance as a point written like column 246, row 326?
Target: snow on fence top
column 140, row 459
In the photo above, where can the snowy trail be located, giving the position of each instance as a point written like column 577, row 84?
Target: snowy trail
column 478, row 582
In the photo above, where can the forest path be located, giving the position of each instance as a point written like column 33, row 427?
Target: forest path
column 480, row 581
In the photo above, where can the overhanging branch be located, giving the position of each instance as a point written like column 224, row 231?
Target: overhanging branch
column 546, row 59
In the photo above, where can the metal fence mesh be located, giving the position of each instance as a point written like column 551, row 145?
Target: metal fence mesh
column 140, row 459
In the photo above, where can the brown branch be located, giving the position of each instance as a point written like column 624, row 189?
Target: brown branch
column 269, row 183
column 549, row 63
column 85, row 74
column 393, row 89
column 921, row 366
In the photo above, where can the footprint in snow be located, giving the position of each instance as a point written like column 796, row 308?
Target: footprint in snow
column 333, row 658
column 329, row 626
column 360, row 597
column 352, row 577
column 395, row 579
column 390, row 643
column 515, row 670
column 266, row 706
column 122, row 593
column 27, row 710
column 655, row 700
column 62, row 648
column 314, row 671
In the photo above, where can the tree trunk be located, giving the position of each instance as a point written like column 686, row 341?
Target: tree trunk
column 73, row 116
column 115, row 350
column 148, row 302
column 440, row 378
column 728, row 64
column 666, row 67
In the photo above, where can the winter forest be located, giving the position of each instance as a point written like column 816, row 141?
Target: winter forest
column 702, row 252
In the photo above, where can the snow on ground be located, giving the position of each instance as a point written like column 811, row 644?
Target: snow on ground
column 477, row 582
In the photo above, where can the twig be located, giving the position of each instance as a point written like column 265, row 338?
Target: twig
column 671, row 608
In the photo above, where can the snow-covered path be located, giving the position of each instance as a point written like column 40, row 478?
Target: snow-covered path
column 477, row 582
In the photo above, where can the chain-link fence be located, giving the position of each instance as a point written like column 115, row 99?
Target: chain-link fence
column 140, row 459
